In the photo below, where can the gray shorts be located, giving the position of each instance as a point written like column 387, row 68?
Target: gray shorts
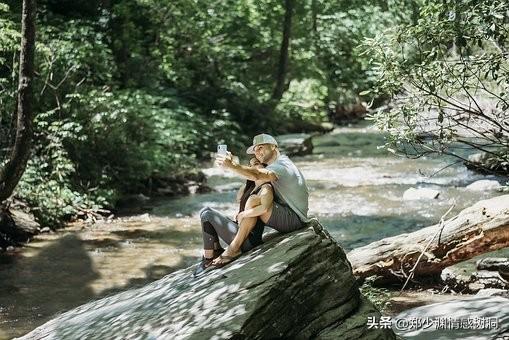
column 284, row 219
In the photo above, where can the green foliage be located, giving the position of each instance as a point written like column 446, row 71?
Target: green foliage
column 71, row 55
column 49, row 183
column 339, row 33
column 378, row 296
column 223, row 55
column 51, row 194
column 449, row 75
column 9, row 41
column 132, row 135
column 304, row 101
column 109, row 144
column 128, row 90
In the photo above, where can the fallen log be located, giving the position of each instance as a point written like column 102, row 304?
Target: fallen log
column 16, row 226
column 482, row 228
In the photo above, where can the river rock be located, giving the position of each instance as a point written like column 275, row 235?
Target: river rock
column 347, row 113
column 228, row 187
column 420, row 193
column 298, row 285
column 296, row 144
column 472, row 282
column 16, row 226
column 493, row 292
column 475, row 318
column 177, row 184
column 487, row 163
column 492, row 263
column 483, row 185
column 478, row 157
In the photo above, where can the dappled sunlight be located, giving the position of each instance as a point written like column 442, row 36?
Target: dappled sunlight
column 285, row 240
column 221, row 302
column 103, row 259
column 277, row 267
column 192, row 310
column 358, row 197
column 473, row 308
column 56, row 274
column 125, row 125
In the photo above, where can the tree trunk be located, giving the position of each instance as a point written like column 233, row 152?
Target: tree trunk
column 279, row 89
column 482, row 228
column 11, row 173
column 314, row 18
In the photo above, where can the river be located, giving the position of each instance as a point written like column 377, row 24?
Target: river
column 356, row 190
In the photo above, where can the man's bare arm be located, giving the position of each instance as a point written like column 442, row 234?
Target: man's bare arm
column 250, row 173
column 253, row 173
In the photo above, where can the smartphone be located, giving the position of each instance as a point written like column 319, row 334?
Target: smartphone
column 222, row 149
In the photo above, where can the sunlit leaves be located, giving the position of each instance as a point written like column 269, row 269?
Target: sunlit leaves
column 448, row 75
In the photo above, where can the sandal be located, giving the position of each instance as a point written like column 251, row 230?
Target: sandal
column 217, row 253
column 228, row 259
column 206, row 262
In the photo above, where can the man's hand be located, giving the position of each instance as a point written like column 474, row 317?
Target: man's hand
column 225, row 161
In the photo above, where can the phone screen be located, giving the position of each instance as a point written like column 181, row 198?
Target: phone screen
column 222, row 149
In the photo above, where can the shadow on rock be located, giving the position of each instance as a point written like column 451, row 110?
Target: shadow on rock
column 298, row 285
column 54, row 280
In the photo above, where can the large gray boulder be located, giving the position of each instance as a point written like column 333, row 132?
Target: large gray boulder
column 298, row 285
column 420, row 194
column 483, row 185
column 296, row 144
column 472, row 318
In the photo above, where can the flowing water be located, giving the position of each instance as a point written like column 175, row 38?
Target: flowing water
column 356, row 189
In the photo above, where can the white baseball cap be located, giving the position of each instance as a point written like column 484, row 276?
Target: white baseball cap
column 262, row 138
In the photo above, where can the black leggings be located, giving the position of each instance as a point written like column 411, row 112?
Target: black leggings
column 215, row 225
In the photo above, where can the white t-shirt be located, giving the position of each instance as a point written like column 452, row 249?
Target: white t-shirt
column 290, row 186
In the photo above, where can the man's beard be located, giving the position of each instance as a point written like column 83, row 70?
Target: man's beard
column 265, row 158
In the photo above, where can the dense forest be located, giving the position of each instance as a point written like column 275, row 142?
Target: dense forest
column 126, row 91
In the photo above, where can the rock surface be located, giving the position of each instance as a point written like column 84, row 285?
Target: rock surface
column 493, row 292
column 298, row 285
column 483, row 185
column 471, row 283
column 485, row 163
column 492, row 263
column 420, row 193
column 474, row 318
column 297, row 144
column 347, row 113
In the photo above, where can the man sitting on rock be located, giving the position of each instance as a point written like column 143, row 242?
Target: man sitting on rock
column 290, row 206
